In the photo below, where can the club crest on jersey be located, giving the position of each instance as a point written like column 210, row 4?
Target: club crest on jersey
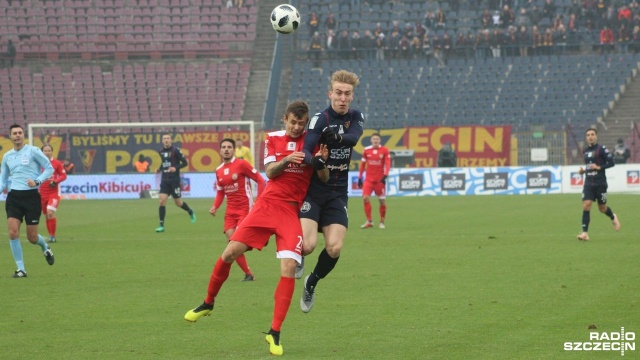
column 375, row 152
column 234, row 177
column 347, row 124
column 305, row 207
column 291, row 146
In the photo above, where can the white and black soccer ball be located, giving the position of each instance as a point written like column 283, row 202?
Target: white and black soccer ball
column 285, row 19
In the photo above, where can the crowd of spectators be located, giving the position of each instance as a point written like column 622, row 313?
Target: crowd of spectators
column 599, row 26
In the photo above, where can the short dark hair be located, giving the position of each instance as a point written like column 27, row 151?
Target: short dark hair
column 45, row 145
column 376, row 134
column 15, row 126
column 299, row 108
column 233, row 142
column 592, row 129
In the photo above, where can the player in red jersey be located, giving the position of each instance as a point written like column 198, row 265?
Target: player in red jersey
column 50, row 192
column 275, row 212
column 232, row 181
column 376, row 161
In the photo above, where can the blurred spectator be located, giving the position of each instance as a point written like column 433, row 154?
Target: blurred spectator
column 496, row 43
column 507, row 17
column 239, row 3
column 330, row 23
column 536, row 40
column 547, row 42
column 408, row 31
column 522, row 19
column 378, row 30
column 495, row 19
column 549, row 10
column 343, row 44
column 416, row 47
column 405, row 48
column 313, row 23
column 524, row 41
column 229, row 4
column 446, row 48
column 69, row 167
column 420, row 30
column 356, row 45
column 635, row 38
column 430, row 20
column 380, row 47
column 624, row 37
column 511, row 42
column 621, row 152
column 441, row 19
column 535, row 15
column 560, row 37
column 486, row 19
column 427, row 46
column 393, row 43
column 368, row 45
column 606, row 40
column 331, row 44
column 559, row 20
column 142, row 165
column 447, row 156
column 315, row 49
column 437, row 50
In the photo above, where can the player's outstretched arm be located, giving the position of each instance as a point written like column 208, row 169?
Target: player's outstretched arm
column 276, row 168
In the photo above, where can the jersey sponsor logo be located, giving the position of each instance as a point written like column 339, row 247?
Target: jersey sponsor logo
column 340, row 154
column 539, row 180
column 453, row 182
column 633, row 177
column 576, row 179
column 496, row 181
column 341, row 167
column 410, row 182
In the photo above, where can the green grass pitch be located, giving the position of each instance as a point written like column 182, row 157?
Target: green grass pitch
column 469, row 277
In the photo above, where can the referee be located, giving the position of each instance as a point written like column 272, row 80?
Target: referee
column 27, row 167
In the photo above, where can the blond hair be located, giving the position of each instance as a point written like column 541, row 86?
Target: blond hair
column 344, row 76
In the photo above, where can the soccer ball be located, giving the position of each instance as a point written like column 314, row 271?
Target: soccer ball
column 285, row 19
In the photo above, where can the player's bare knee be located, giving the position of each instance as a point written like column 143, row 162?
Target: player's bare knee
column 334, row 250
column 366, row 199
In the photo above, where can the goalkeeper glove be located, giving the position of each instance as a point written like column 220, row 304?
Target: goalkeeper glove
column 359, row 183
column 52, row 184
column 330, row 137
column 384, row 180
column 318, row 163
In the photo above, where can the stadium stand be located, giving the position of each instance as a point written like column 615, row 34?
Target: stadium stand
column 199, row 90
column 97, row 29
column 546, row 92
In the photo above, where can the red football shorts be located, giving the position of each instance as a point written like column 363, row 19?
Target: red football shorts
column 50, row 203
column 232, row 220
column 271, row 217
column 370, row 187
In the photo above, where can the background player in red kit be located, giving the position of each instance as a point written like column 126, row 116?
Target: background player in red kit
column 50, row 192
column 232, row 181
column 275, row 212
column 376, row 161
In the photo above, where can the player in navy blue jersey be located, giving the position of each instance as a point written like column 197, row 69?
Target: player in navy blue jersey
column 172, row 161
column 325, row 206
column 597, row 158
